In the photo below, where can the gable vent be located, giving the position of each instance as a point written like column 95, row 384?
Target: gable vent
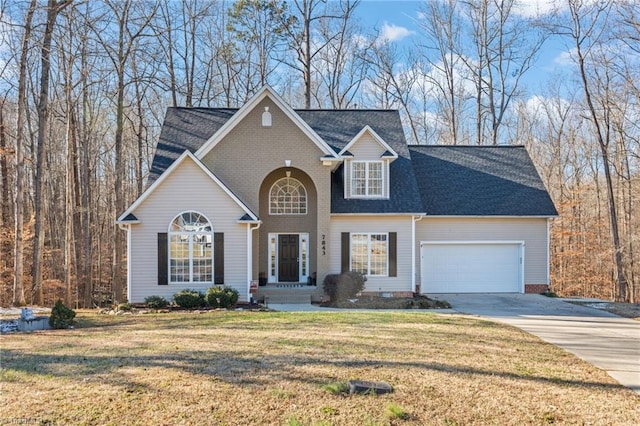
column 266, row 118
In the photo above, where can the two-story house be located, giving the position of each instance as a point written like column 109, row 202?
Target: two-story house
column 266, row 191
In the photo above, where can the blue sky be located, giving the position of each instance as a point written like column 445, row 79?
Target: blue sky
column 398, row 20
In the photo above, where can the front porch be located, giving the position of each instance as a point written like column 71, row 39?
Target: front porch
column 288, row 293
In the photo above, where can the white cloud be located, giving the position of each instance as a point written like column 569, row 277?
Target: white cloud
column 534, row 8
column 565, row 58
column 392, row 32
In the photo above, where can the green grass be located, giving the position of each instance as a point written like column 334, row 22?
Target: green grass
column 272, row 368
column 394, row 411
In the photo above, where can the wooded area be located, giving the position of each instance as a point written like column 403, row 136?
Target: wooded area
column 84, row 87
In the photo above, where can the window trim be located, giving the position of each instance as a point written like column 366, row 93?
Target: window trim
column 384, row 190
column 190, row 249
column 306, row 198
column 369, row 235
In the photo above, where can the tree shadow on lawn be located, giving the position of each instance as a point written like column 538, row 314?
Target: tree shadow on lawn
column 236, row 369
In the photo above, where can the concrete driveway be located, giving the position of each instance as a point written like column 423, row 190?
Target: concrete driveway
column 598, row 337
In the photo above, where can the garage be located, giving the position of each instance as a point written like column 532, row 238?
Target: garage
column 472, row 267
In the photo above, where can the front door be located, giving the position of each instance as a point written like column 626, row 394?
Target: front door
column 288, row 258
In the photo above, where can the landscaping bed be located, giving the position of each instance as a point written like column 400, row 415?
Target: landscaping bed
column 375, row 302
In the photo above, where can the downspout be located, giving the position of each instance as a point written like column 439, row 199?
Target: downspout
column 414, row 219
column 127, row 227
column 548, row 255
column 250, row 230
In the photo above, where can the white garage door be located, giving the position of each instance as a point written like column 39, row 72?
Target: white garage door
column 471, row 267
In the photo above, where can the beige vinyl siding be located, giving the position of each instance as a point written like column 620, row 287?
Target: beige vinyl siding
column 250, row 152
column 533, row 231
column 366, row 149
column 188, row 188
column 375, row 224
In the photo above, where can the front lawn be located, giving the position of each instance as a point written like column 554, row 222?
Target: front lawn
column 269, row 368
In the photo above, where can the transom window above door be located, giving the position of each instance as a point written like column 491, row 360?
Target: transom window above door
column 288, row 196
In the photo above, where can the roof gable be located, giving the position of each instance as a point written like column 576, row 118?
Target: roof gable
column 249, row 106
column 388, row 151
column 186, row 156
column 479, row 181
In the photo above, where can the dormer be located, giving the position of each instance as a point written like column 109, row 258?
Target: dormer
column 366, row 166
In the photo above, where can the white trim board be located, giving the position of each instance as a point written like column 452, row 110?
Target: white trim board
column 168, row 172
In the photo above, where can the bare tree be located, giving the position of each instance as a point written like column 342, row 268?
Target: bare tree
column 504, row 49
column 18, row 283
column 394, row 83
column 584, row 30
column 298, row 25
column 442, row 29
column 53, row 9
column 131, row 23
column 341, row 67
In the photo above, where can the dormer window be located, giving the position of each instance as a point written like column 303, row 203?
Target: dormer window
column 367, row 179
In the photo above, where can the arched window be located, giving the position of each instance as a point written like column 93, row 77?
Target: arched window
column 190, row 250
column 288, row 196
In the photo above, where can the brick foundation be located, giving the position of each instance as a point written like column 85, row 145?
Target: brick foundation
column 535, row 288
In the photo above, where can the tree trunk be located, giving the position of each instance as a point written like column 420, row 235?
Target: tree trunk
column 18, row 283
column 621, row 282
column 4, row 173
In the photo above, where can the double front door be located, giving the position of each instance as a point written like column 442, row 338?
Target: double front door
column 288, row 257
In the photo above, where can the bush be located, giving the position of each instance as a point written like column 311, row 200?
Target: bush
column 222, row 297
column 189, row 299
column 344, row 286
column 156, row 302
column 126, row 307
column 61, row 316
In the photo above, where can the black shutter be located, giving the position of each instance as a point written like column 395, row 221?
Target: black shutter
column 163, row 254
column 393, row 254
column 218, row 258
column 346, row 252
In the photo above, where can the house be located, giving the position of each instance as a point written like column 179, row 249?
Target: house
column 267, row 192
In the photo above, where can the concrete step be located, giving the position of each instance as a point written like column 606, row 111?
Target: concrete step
column 287, row 294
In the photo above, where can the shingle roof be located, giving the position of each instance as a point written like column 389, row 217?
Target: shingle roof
column 189, row 128
column 438, row 180
column 479, row 181
column 185, row 129
column 338, row 128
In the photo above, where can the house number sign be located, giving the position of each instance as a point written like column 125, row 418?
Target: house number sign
column 324, row 244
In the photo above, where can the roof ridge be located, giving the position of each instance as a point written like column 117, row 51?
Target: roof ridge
column 199, row 107
column 345, row 110
column 415, row 145
column 295, row 109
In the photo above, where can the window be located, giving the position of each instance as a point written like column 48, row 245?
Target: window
column 367, row 179
column 288, row 196
column 369, row 254
column 190, row 250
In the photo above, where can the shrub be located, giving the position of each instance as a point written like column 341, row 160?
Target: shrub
column 125, row 307
column 222, row 297
column 344, row 286
column 189, row 299
column 61, row 316
column 156, row 302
